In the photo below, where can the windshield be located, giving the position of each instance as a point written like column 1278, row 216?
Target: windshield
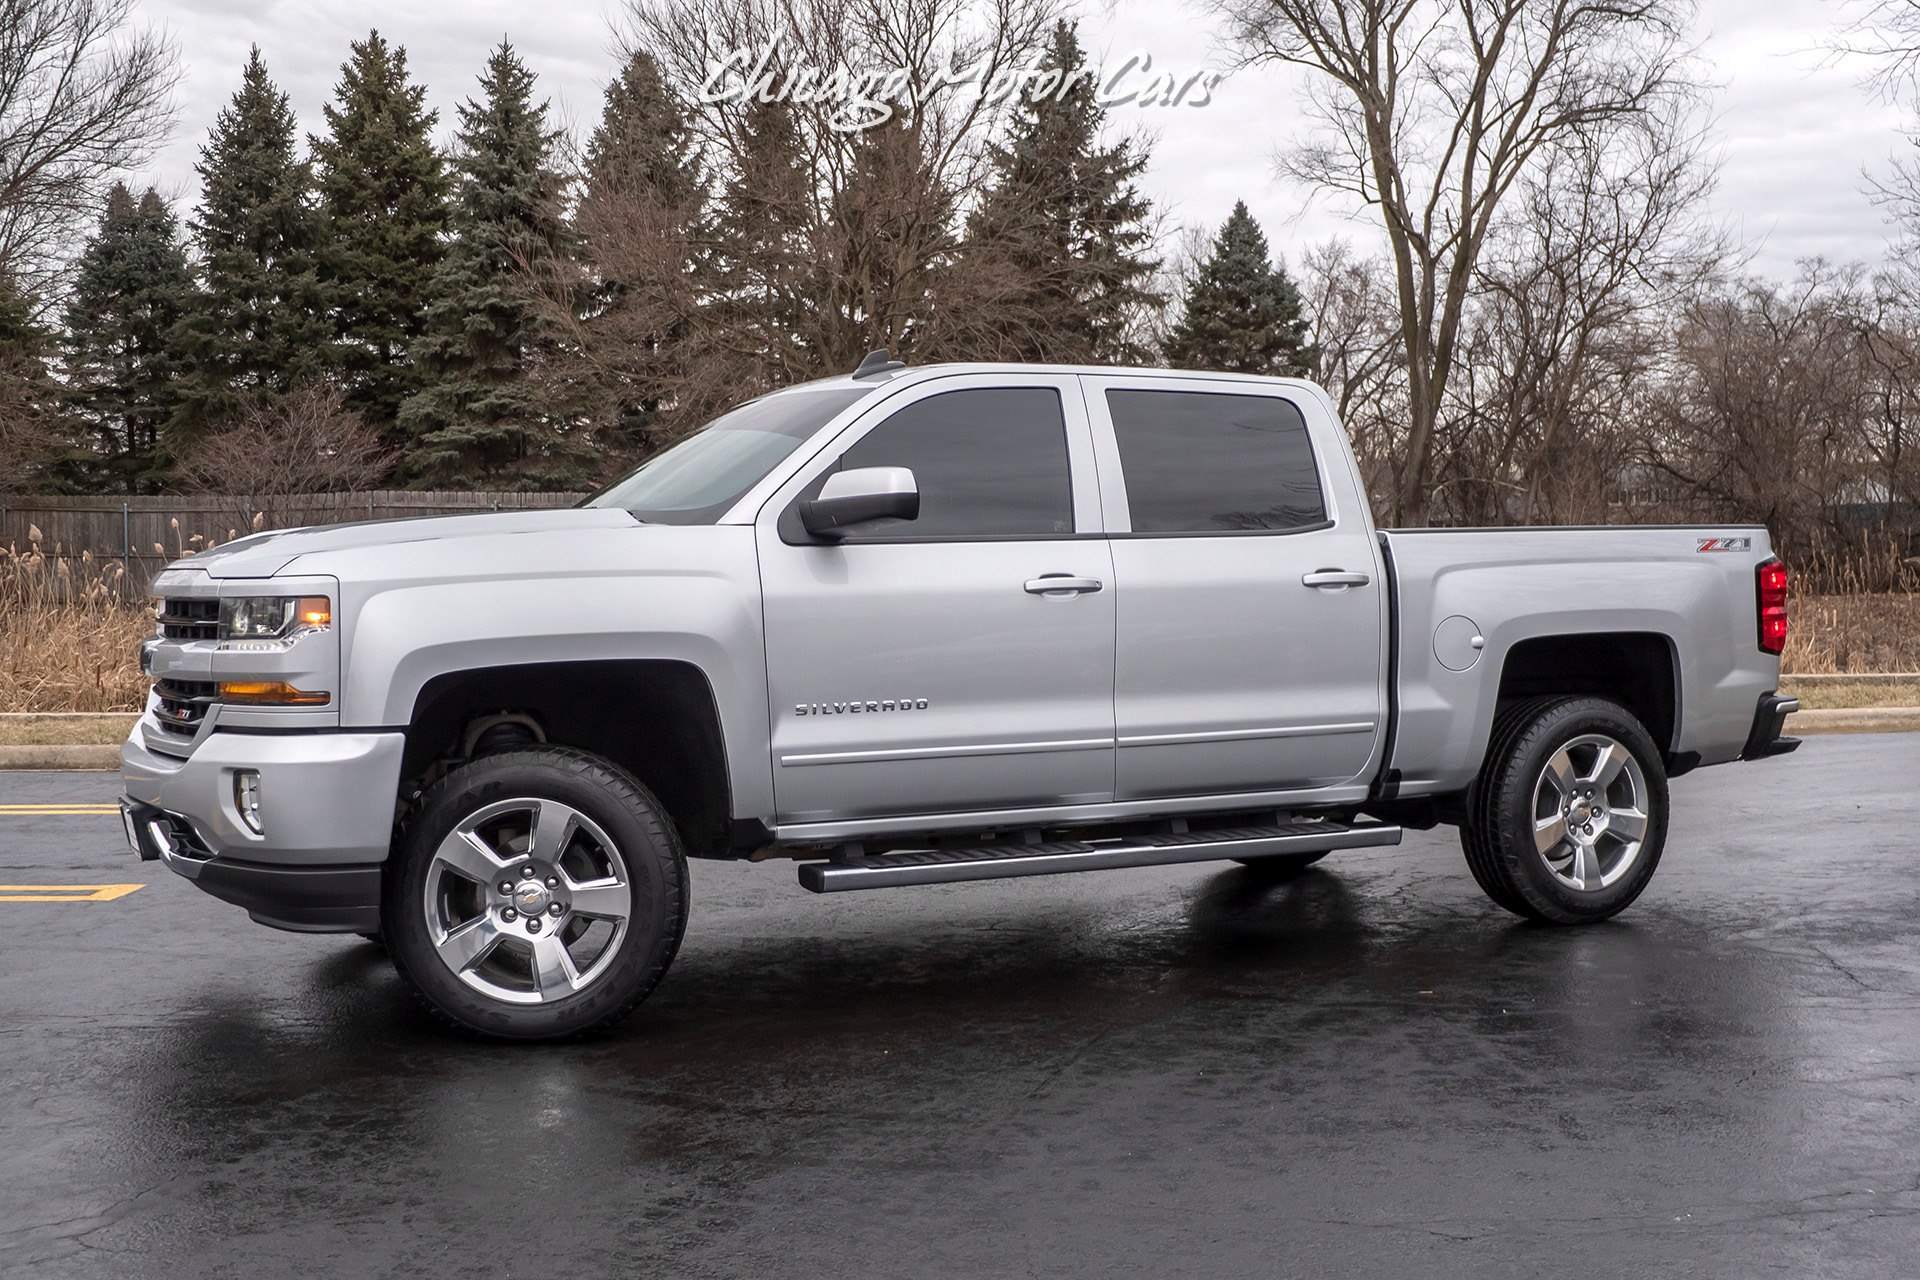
column 698, row 480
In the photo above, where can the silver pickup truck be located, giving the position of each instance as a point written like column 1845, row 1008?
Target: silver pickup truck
column 913, row 626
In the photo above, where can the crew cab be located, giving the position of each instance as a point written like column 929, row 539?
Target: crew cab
column 922, row 625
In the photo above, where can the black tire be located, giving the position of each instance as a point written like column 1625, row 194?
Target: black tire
column 1279, row 866
column 606, row 805
column 1593, row 869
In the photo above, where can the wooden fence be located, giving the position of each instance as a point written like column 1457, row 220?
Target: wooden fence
column 146, row 532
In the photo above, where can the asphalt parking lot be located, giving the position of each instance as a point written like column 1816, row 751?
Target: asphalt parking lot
column 1368, row 1071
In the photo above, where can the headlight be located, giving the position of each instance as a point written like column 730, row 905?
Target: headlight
column 272, row 622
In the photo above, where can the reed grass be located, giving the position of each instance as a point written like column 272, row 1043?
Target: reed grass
column 1853, row 633
column 70, row 633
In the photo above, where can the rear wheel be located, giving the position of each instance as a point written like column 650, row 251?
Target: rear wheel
column 536, row 894
column 1568, row 818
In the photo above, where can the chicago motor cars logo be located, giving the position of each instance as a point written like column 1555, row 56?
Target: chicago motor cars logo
column 853, row 98
column 844, row 708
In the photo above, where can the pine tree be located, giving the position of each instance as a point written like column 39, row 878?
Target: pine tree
column 480, row 422
column 643, row 142
column 1063, row 224
column 383, row 187
column 37, row 449
column 130, row 289
column 636, row 228
column 260, row 323
column 762, row 263
column 1241, row 314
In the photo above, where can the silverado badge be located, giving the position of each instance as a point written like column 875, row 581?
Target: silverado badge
column 842, row 708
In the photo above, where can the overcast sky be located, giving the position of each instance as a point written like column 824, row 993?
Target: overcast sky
column 1795, row 134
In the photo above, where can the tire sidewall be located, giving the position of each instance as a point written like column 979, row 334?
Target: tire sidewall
column 1523, row 870
column 624, row 809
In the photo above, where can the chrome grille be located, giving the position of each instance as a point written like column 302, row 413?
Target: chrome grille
column 184, row 703
column 183, row 619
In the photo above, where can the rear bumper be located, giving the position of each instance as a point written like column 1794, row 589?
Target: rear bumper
column 319, row 899
column 1769, row 718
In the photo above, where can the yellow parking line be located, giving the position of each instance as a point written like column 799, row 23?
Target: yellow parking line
column 59, row 808
column 57, row 813
column 65, row 892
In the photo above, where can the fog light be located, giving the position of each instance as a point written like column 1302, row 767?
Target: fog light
column 246, row 798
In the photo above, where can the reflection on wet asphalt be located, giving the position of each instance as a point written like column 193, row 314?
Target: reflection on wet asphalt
column 1366, row 1071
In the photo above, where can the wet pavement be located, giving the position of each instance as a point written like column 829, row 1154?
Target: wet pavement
column 1367, row 1071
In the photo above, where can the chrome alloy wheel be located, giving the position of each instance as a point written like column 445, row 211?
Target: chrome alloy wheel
column 1590, row 812
column 527, row 900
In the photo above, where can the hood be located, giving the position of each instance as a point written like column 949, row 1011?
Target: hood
column 261, row 555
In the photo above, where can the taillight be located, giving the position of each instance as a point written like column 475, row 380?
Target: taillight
column 1771, row 578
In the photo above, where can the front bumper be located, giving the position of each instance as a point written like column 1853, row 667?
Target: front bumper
column 326, row 817
column 319, row 899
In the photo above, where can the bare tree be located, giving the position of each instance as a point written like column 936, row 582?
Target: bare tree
column 303, row 451
column 1761, row 418
column 1889, row 335
column 1433, row 112
column 81, row 98
column 1887, row 32
column 1356, row 329
column 1608, row 239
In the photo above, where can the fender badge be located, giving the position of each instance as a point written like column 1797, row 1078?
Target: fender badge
column 842, row 708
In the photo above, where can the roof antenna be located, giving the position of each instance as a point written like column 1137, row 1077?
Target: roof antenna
column 877, row 364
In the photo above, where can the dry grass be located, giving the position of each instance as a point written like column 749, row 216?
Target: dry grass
column 1843, row 694
column 81, row 730
column 70, row 633
column 1853, row 633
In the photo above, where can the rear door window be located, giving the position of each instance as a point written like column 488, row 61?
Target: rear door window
column 1200, row 462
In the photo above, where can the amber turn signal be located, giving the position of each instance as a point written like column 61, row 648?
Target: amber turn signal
column 269, row 693
column 315, row 611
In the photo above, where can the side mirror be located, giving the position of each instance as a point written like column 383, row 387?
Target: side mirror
column 855, row 497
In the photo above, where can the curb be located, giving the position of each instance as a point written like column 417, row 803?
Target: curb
column 66, row 756
column 1855, row 720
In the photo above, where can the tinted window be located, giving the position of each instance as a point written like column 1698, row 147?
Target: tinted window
column 698, row 480
column 1202, row 463
column 990, row 464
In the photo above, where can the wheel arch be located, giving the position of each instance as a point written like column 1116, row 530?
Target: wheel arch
column 656, row 718
column 1638, row 669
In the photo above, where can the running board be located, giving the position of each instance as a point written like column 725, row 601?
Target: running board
column 999, row 861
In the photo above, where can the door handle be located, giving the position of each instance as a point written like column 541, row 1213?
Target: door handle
column 1061, row 583
column 1324, row 578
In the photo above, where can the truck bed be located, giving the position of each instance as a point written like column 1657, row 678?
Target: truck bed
column 1685, row 591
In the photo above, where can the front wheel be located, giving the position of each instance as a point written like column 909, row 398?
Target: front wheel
column 1568, row 817
column 535, row 894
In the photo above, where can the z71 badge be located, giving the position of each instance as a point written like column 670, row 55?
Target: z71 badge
column 1726, row 544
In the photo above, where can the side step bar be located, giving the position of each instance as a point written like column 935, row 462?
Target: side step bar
column 999, row 861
